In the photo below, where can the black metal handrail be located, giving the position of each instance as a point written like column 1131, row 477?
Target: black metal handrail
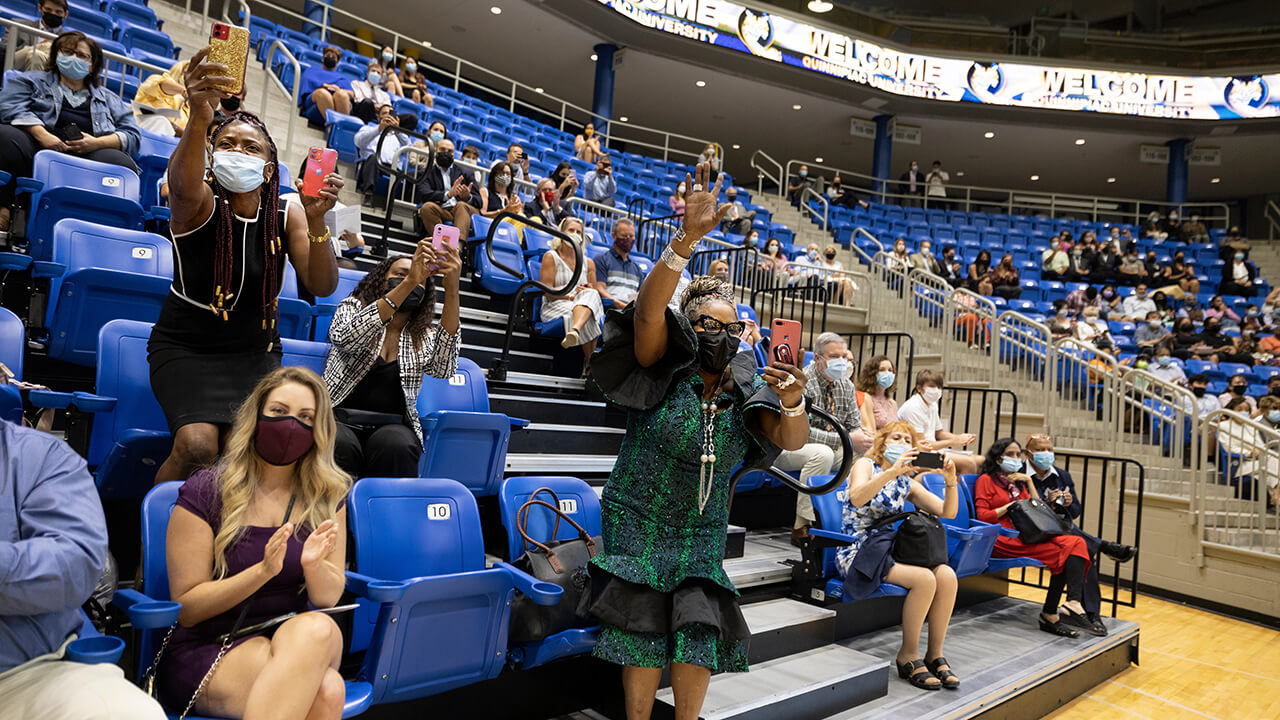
column 397, row 176
column 871, row 344
column 846, row 461
column 991, row 404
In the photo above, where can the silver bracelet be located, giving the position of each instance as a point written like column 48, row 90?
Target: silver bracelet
column 796, row 411
column 673, row 260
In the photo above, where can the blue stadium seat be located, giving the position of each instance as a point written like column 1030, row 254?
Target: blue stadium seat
column 65, row 185
column 507, row 250
column 830, row 514
column 578, row 501
column 93, row 23
column 326, row 306
column 152, row 45
column 294, row 315
column 153, row 156
column 304, row 353
column 135, row 13
column 342, row 131
column 153, row 613
column 419, row 555
column 969, row 541
column 461, row 439
column 12, row 346
column 98, row 274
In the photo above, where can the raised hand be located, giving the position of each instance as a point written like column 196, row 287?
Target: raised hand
column 273, row 554
column 904, row 464
column 201, row 81
column 776, row 376
column 420, row 266
column 317, row 206
column 448, row 262
column 701, row 215
column 320, row 544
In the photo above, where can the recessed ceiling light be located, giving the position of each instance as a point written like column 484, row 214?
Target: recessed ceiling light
column 736, row 146
column 959, row 173
column 1035, row 177
column 1111, row 180
column 495, row 10
column 539, row 90
column 795, row 107
column 1215, row 181
column 1079, row 141
column 593, row 57
column 988, row 134
column 426, row 43
column 701, row 83
column 817, row 159
column 624, row 118
column 820, row 6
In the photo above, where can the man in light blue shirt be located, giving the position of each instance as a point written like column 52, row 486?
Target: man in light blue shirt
column 618, row 276
column 53, row 545
column 599, row 185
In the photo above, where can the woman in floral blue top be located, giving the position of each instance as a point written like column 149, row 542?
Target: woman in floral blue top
column 881, row 483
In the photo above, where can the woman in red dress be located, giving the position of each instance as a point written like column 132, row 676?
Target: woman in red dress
column 1001, row 483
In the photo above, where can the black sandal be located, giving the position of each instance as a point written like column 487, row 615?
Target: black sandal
column 916, row 673
column 1057, row 628
column 1079, row 621
column 949, row 679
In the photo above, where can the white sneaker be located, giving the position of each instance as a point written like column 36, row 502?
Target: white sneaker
column 570, row 339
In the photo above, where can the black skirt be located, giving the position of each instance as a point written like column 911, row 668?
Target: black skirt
column 195, row 387
column 639, row 608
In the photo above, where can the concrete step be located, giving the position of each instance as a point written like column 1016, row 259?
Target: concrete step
column 784, row 627
column 805, row 686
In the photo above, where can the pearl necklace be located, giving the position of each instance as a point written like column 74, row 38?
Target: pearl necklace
column 706, row 473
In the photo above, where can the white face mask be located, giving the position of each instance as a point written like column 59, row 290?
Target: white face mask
column 238, row 172
column 932, row 395
column 680, row 189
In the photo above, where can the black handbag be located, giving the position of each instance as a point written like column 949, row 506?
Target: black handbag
column 1035, row 522
column 562, row 563
column 920, row 540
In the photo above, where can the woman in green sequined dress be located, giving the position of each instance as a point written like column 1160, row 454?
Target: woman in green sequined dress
column 697, row 410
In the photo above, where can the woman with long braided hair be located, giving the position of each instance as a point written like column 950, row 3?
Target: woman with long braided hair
column 216, row 336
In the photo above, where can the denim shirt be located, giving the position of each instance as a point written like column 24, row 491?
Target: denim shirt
column 53, row 542
column 33, row 98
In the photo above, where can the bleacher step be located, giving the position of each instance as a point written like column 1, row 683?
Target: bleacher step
column 538, row 408
column 764, row 560
column 559, row 464
column 784, row 627
column 809, row 685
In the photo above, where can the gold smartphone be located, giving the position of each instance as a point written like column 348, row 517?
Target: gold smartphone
column 229, row 45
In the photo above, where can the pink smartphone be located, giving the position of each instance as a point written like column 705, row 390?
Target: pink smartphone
column 320, row 162
column 443, row 236
column 784, row 339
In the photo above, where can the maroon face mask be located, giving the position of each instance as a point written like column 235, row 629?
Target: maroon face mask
column 282, row 440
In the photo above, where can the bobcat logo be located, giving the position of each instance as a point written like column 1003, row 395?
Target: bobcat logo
column 756, row 32
column 985, row 80
column 1247, row 95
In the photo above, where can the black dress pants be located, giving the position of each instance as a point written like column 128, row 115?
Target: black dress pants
column 386, row 451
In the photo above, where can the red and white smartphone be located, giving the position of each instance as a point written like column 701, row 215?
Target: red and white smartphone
column 320, row 162
column 784, row 339
column 444, row 236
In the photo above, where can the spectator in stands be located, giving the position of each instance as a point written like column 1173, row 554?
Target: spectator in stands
column 1001, row 484
column 654, row 508
column 842, row 284
column 1220, row 311
column 1165, row 368
column 1154, row 227
column 1255, row 320
column 366, row 141
column 566, row 183
column 1106, row 263
column 1268, row 411
column 1194, row 230
column 1084, row 255
column 446, row 191
column 1153, row 268
column 880, row 485
column 1136, row 307
column 586, row 146
column 1180, row 274
column 711, row 158
column 546, row 204
column 911, row 184
column 1249, row 348
column 383, row 338
column 1238, row 277
column 500, row 192
column 328, row 88
column 1111, row 301
column 618, row 275
column 1205, row 402
column 599, row 185
column 1056, row 487
column 1060, row 324
column 808, row 266
column 1005, row 280
column 519, row 161
column 842, row 195
column 387, row 72
column 676, row 201
column 828, row 389
column 1092, row 327
column 39, row 108
column 949, row 268
column 1131, row 270
column 1232, row 243
column 1253, row 453
column 979, row 274
column 1055, row 263
column 581, row 309
column 33, row 51
column 267, row 522
column 899, row 260
column 798, row 184
column 936, row 185
column 163, row 92
column 368, row 94
column 1080, row 298
column 1237, row 386
column 53, row 537
column 413, row 84
column 880, row 382
column 230, row 350
column 739, row 219
column 1268, row 350
column 1173, row 228
column 922, row 411
column 924, row 259
column 1185, row 339
column 774, row 262
column 1152, row 332
column 471, row 156
column 719, row 269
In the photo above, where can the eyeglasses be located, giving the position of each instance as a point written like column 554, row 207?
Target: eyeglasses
column 714, row 326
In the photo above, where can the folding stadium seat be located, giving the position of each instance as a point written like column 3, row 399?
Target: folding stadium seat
column 829, row 511
column 969, row 540
column 461, row 439
column 99, row 274
column 65, row 185
column 94, row 23
column 150, row 46
column 152, row 614
column 134, row 13
column 258, row 28
column 326, row 306
column 578, row 501
column 304, row 354
column 420, row 569
column 1230, row 369
column 293, row 315
column 342, row 131
column 153, row 160
column 506, row 253
column 1023, row 305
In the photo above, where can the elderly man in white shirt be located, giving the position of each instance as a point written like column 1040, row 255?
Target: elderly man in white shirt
column 1135, row 307
column 366, row 141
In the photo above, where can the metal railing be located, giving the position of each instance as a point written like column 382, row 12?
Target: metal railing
column 764, row 171
column 1271, row 212
column 899, row 347
column 806, row 304
column 467, row 76
column 279, row 46
column 1019, row 201
column 116, row 64
column 1240, row 467
column 822, row 219
column 988, row 413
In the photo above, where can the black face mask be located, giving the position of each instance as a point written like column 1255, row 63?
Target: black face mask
column 1211, row 329
column 51, row 21
column 1237, row 389
column 416, row 295
column 715, row 350
column 444, row 159
column 230, row 104
column 831, row 256
column 330, row 62
column 1274, row 392
column 1198, row 391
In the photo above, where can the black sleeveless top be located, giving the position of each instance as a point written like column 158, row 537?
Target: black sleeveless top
column 187, row 318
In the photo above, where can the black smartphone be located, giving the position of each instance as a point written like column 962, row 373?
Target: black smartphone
column 931, row 460
column 72, row 132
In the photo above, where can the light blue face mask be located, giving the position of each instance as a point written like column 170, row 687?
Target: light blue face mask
column 885, row 379
column 1273, row 416
column 894, row 451
column 1042, row 459
column 410, row 68
column 375, row 77
column 388, row 57
column 74, row 68
column 836, row 368
column 237, row 172
column 1010, row 464
column 436, row 136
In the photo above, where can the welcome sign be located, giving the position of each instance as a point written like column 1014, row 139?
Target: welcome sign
column 783, row 40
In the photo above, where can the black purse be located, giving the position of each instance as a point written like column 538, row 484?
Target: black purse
column 1035, row 522
column 562, row 563
column 920, row 539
